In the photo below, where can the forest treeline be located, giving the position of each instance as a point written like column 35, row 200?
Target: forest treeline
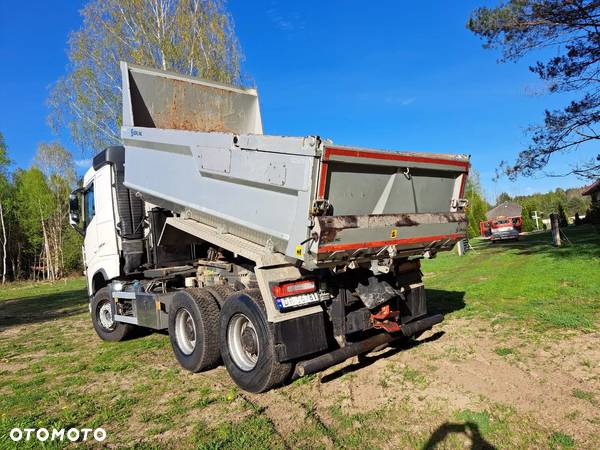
column 36, row 241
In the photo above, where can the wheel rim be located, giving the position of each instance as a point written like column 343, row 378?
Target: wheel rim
column 242, row 342
column 185, row 331
column 105, row 316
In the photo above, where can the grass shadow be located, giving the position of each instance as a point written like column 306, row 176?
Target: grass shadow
column 367, row 359
column 42, row 307
column 440, row 301
column 469, row 429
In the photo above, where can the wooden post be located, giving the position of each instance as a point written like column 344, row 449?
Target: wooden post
column 555, row 229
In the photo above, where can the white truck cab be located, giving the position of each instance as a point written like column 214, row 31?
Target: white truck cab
column 107, row 246
column 101, row 248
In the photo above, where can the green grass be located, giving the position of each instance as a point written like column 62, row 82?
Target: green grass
column 61, row 299
column 62, row 375
column 504, row 351
column 583, row 395
column 479, row 419
column 253, row 432
column 560, row 440
column 528, row 282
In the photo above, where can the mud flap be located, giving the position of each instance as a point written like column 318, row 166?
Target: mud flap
column 415, row 304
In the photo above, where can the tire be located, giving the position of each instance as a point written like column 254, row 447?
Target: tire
column 102, row 313
column 194, row 329
column 220, row 292
column 253, row 365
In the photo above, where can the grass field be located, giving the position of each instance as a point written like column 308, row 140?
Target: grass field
column 528, row 281
column 516, row 364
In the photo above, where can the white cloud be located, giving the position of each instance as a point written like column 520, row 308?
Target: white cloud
column 285, row 22
column 83, row 163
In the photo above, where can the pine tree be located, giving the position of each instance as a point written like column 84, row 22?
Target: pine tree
column 563, row 220
column 526, row 214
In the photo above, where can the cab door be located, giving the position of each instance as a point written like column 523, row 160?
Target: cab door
column 101, row 244
column 90, row 241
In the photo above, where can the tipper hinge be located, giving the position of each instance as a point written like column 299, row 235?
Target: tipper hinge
column 320, row 207
column 460, row 203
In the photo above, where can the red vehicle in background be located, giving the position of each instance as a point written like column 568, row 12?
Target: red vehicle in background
column 503, row 222
column 501, row 228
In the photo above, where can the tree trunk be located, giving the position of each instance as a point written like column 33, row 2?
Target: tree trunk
column 3, row 244
column 19, row 267
column 46, row 252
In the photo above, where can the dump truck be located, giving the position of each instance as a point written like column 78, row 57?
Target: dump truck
column 276, row 256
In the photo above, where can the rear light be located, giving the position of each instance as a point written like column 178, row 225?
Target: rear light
column 295, row 294
column 294, row 288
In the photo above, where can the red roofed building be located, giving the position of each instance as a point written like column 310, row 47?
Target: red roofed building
column 593, row 214
column 593, row 191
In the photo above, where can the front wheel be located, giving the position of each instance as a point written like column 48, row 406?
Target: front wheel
column 103, row 320
column 247, row 344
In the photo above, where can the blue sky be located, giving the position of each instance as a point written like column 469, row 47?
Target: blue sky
column 389, row 76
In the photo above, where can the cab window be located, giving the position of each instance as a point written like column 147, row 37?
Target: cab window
column 88, row 205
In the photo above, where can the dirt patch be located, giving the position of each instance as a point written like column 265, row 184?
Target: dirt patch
column 285, row 414
column 462, row 370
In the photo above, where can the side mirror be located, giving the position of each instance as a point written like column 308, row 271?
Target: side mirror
column 73, row 208
column 74, row 211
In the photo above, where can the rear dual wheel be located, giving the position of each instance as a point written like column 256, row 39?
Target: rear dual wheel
column 239, row 335
column 247, row 343
column 193, row 329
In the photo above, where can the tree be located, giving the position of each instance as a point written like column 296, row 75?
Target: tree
column 56, row 163
column 477, row 206
column 194, row 37
column 35, row 203
column 563, row 220
column 4, row 189
column 35, row 237
column 527, row 224
column 503, row 197
column 571, row 30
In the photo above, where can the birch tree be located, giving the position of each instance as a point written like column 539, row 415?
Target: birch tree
column 4, row 188
column 56, row 163
column 194, row 37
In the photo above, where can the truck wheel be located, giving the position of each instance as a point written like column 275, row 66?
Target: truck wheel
column 193, row 329
column 102, row 318
column 247, row 346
